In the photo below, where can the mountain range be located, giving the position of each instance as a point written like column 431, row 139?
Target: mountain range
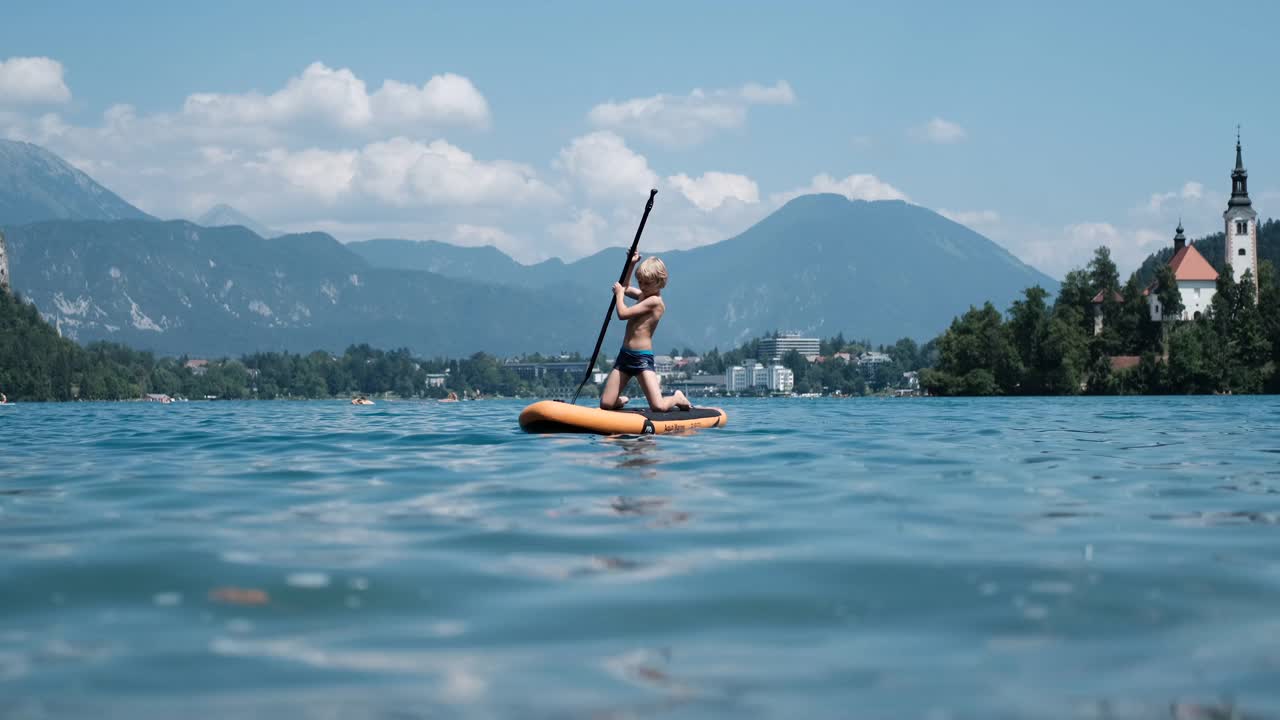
column 821, row 264
column 37, row 185
column 222, row 215
column 174, row 287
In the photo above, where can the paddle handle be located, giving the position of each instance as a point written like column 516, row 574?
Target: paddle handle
column 613, row 299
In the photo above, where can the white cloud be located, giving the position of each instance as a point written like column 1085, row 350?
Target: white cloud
column 320, row 92
column 682, row 120
column 339, row 98
column 940, row 131
column 603, row 165
column 1191, row 193
column 447, row 98
column 324, row 174
column 971, row 217
column 780, row 94
column 854, row 187
column 712, row 189
column 580, row 236
column 405, row 172
column 32, row 80
column 473, row 235
column 1056, row 251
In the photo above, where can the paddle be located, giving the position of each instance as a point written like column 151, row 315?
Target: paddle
column 622, row 278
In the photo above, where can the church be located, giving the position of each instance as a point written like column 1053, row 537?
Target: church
column 1197, row 279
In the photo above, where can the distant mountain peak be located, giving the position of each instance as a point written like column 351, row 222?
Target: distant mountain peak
column 222, row 215
column 822, row 263
column 37, row 185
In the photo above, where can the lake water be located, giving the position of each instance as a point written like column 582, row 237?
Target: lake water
column 870, row 558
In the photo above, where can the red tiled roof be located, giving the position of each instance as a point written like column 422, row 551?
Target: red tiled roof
column 1124, row 362
column 1189, row 264
column 1114, row 296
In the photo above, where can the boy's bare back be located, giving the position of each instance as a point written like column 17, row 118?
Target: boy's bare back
column 640, row 328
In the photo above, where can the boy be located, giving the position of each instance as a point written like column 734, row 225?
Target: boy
column 636, row 355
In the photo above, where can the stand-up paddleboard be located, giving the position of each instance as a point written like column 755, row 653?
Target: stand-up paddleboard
column 553, row 416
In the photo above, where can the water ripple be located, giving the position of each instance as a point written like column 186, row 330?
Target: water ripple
column 1075, row 557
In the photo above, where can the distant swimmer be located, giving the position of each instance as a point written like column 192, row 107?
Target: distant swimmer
column 362, row 400
column 3, row 400
column 453, row 397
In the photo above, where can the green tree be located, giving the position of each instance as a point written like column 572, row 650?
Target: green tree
column 1103, row 276
column 1104, row 280
column 1101, row 380
column 1028, row 330
column 1269, row 318
column 975, row 357
column 1065, row 358
column 1167, row 292
column 1190, row 369
column 1077, row 292
column 905, row 353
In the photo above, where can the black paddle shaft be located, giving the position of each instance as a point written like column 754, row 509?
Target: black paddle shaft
column 622, row 279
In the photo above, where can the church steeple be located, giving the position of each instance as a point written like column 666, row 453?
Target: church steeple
column 1240, row 223
column 1239, row 180
column 1179, row 240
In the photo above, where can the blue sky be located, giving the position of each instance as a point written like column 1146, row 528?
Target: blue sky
column 1050, row 129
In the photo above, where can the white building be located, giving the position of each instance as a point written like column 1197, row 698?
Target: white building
column 663, row 364
column 781, row 379
column 1197, row 279
column 1241, row 223
column 1098, row 301
column 4, row 266
column 1197, row 282
column 870, row 359
column 775, row 348
column 759, row 375
column 736, row 379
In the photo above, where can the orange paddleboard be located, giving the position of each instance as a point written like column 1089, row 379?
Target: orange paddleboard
column 552, row 416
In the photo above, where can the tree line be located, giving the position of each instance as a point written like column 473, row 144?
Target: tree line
column 1043, row 348
column 36, row 364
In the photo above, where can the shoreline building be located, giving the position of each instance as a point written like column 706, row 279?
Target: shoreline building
column 781, row 379
column 539, row 370
column 751, row 374
column 4, row 266
column 773, row 348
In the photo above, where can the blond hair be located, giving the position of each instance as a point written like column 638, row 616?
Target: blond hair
column 652, row 271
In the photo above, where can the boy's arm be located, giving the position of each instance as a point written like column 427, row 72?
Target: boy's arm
column 641, row 308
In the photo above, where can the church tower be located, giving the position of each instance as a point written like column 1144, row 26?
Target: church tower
column 1241, row 224
column 4, row 267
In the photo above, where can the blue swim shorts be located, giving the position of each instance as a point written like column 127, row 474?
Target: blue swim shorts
column 632, row 362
